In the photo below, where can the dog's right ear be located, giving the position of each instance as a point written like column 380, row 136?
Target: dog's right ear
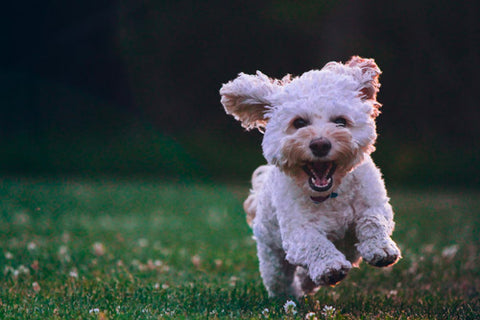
column 247, row 98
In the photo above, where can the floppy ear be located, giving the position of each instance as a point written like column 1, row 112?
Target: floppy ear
column 369, row 84
column 247, row 98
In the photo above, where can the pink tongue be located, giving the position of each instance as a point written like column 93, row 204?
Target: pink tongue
column 321, row 171
column 321, row 181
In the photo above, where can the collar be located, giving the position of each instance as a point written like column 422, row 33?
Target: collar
column 322, row 199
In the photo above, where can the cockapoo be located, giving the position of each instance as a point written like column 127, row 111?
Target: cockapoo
column 319, row 206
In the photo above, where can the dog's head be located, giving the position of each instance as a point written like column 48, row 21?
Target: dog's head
column 318, row 126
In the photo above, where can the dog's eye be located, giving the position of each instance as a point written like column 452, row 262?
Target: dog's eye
column 340, row 121
column 300, row 123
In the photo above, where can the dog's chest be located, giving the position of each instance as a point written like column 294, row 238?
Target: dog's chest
column 296, row 210
column 332, row 217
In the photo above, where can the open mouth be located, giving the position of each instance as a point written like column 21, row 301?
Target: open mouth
column 320, row 174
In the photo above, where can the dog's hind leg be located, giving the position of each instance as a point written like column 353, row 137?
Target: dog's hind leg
column 303, row 283
column 250, row 204
column 277, row 273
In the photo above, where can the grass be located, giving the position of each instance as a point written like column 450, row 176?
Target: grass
column 118, row 249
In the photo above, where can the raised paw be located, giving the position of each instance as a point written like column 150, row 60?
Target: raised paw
column 332, row 273
column 379, row 253
column 333, row 276
column 384, row 260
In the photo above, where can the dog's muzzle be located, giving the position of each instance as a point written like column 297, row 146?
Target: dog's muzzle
column 320, row 175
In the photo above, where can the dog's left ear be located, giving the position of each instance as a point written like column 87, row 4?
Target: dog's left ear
column 369, row 84
column 247, row 98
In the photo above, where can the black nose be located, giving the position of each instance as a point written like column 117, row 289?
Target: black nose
column 320, row 147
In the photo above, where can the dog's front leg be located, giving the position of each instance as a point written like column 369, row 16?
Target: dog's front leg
column 373, row 232
column 312, row 250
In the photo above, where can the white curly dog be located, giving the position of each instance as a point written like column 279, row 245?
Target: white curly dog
column 320, row 205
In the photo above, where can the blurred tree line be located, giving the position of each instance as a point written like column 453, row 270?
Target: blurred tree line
column 129, row 86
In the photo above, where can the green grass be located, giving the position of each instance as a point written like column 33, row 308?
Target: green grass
column 118, row 249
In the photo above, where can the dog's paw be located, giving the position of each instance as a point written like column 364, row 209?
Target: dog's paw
column 331, row 273
column 379, row 253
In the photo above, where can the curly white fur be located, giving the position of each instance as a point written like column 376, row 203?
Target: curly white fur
column 320, row 205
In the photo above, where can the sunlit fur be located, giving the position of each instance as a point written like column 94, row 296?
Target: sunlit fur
column 308, row 238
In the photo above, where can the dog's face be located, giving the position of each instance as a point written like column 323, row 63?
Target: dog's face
column 318, row 139
column 318, row 126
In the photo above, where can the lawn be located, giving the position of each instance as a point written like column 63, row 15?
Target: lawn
column 126, row 249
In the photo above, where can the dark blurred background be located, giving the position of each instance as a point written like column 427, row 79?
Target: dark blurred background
column 130, row 87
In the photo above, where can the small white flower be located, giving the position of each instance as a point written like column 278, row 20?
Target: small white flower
column 290, row 307
column 63, row 254
column 8, row 255
column 62, row 250
column 94, row 310
column 218, row 263
column 31, row 246
column 99, row 249
column 23, row 269
column 392, row 293
column 311, row 316
column 232, row 281
column 36, row 287
column 449, row 252
column 142, row 243
column 328, row 311
column 16, row 272
column 265, row 312
column 196, row 260
column 73, row 274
